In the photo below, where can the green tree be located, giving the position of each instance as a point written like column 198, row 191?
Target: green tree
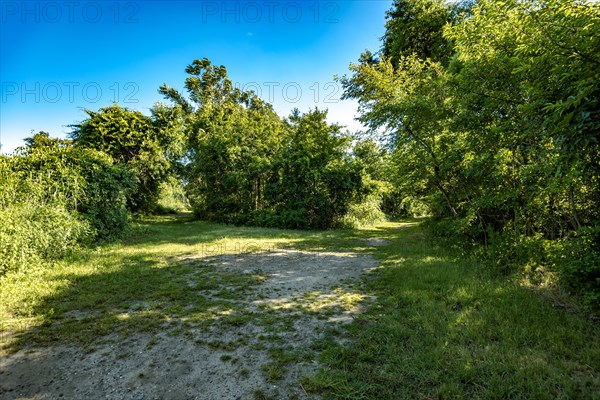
column 244, row 164
column 316, row 180
column 146, row 146
column 526, row 79
column 415, row 27
column 500, row 138
column 231, row 138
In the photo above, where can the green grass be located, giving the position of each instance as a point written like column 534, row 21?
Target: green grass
column 150, row 282
column 147, row 283
column 280, row 359
column 444, row 328
column 439, row 326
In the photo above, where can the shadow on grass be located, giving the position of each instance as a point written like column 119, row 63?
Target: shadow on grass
column 444, row 328
column 131, row 287
column 440, row 328
column 138, row 294
column 120, row 289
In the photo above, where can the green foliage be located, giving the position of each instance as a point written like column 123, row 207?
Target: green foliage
column 373, row 204
column 573, row 260
column 245, row 165
column 172, row 198
column 316, row 181
column 500, row 135
column 231, row 137
column 416, row 27
column 527, row 81
column 577, row 261
column 145, row 145
column 443, row 327
column 365, row 213
column 33, row 227
column 544, row 167
column 106, row 190
column 54, row 196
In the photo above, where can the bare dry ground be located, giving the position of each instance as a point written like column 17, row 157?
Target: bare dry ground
column 302, row 300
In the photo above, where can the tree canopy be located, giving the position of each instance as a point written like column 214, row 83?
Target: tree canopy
column 493, row 117
column 145, row 145
column 245, row 164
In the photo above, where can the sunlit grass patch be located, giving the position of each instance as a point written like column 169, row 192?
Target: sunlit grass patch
column 130, row 287
column 424, row 324
column 147, row 282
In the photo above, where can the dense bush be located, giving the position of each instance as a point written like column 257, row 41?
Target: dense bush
column 106, row 189
column 53, row 196
column 577, row 261
column 315, row 180
column 144, row 145
column 246, row 165
column 34, row 225
column 367, row 212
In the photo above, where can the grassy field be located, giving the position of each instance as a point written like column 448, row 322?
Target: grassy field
column 438, row 327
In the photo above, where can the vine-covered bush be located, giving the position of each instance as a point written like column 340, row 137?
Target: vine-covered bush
column 364, row 213
column 141, row 144
column 53, row 196
column 577, row 261
column 34, row 226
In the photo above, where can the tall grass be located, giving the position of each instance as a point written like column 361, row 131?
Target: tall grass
column 52, row 199
column 35, row 219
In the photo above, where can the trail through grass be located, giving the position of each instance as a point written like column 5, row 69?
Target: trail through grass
column 425, row 323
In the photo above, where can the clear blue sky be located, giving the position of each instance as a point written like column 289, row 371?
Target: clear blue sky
column 58, row 58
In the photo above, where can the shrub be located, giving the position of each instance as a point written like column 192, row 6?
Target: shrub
column 106, row 189
column 366, row 213
column 53, row 196
column 35, row 219
column 140, row 143
column 172, row 197
column 34, row 231
column 577, row 261
column 574, row 260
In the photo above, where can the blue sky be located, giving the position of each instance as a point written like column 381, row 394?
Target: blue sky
column 58, row 58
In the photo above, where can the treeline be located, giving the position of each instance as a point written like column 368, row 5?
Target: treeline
column 487, row 112
column 223, row 151
column 491, row 109
column 244, row 164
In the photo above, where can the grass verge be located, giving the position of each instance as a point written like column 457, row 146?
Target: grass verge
column 444, row 328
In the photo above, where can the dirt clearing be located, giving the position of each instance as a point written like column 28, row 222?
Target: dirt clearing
column 257, row 345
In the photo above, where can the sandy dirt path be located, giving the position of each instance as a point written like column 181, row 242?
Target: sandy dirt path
column 304, row 298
